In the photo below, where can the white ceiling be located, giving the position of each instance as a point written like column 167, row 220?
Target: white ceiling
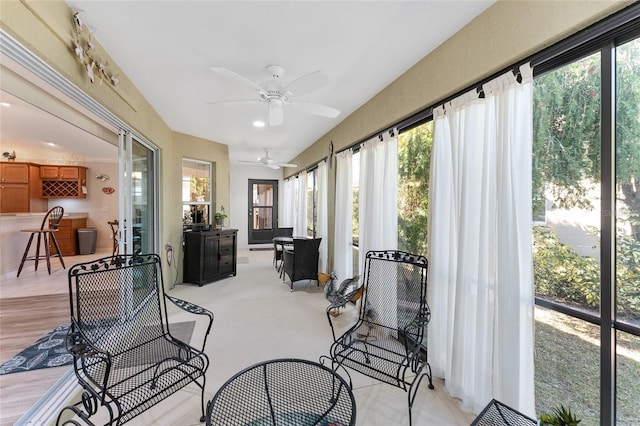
column 167, row 48
column 39, row 135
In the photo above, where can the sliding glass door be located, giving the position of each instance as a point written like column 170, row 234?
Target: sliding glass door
column 139, row 203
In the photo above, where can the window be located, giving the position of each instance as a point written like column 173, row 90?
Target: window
column 586, row 268
column 312, row 203
column 414, row 162
column 196, row 192
column 355, row 188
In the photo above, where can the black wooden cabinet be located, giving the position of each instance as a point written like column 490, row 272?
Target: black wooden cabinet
column 209, row 255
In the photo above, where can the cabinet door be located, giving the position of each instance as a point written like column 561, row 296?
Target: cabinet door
column 14, row 198
column 68, row 172
column 15, row 173
column 210, row 257
column 49, row 172
column 192, row 256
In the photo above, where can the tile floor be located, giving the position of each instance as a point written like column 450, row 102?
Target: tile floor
column 257, row 318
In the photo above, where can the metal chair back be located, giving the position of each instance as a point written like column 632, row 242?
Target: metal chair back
column 388, row 342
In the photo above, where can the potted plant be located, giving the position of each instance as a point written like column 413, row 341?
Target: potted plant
column 219, row 217
column 560, row 416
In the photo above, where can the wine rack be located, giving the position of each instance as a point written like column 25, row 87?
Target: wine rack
column 60, row 188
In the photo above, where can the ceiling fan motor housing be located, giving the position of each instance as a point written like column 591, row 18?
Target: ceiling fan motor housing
column 276, row 71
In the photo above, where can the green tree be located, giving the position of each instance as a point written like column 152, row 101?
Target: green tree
column 414, row 160
column 566, row 126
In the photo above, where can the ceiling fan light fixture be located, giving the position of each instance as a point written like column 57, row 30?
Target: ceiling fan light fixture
column 276, row 96
column 276, row 116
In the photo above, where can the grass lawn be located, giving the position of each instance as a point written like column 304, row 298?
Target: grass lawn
column 567, row 366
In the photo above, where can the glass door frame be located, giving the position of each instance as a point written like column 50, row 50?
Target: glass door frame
column 126, row 213
column 265, row 235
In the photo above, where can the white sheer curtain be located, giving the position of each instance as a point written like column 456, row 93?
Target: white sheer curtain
column 300, row 223
column 343, row 239
column 378, row 207
column 378, row 195
column 288, row 209
column 480, row 259
column 323, row 220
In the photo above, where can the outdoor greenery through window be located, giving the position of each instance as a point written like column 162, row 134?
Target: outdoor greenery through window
column 196, row 192
column 414, row 161
column 567, row 194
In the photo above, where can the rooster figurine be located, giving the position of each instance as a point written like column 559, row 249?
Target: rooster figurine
column 349, row 290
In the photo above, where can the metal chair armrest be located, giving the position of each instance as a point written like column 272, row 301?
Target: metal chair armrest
column 196, row 310
column 415, row 330
column 79, row 346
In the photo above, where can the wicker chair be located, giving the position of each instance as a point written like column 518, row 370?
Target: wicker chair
column 302, row 262
column 387, row 342
column 125, row 358
column 278, row 248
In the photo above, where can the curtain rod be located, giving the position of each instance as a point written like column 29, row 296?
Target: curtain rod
column 379, row 135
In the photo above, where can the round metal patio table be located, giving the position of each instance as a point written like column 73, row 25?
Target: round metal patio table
column 279, row 392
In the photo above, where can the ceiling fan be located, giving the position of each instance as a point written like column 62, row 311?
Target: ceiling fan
column 276, row 96
column 269, row 162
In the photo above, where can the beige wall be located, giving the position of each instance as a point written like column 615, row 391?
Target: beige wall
column 45, row 28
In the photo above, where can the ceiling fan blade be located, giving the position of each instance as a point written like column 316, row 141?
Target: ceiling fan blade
column 308, row 83
column 316, row 109
column 237, row 77
column 287, row 165
column 252, row 162
column 276, row 115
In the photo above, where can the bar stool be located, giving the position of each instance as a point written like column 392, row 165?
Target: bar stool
column 113, row 224
column 47, row 234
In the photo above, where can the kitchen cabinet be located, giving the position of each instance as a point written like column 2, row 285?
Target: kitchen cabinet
column 19, row 188
column 63, row 181
column 67, row 236
column 59, row 172
column 14, row 172
column 209, row 255
column 14, row 197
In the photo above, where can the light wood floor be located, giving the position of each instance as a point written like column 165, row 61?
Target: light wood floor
column 30, row 307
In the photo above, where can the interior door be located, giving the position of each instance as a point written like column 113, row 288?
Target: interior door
column 263, row 210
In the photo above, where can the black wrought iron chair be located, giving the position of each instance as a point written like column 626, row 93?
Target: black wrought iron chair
column 125, row 358
column 388, row 341
column 46, row 236
column 302, row 262
column 498, row 414
column 293, row 392
column 278, row 248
